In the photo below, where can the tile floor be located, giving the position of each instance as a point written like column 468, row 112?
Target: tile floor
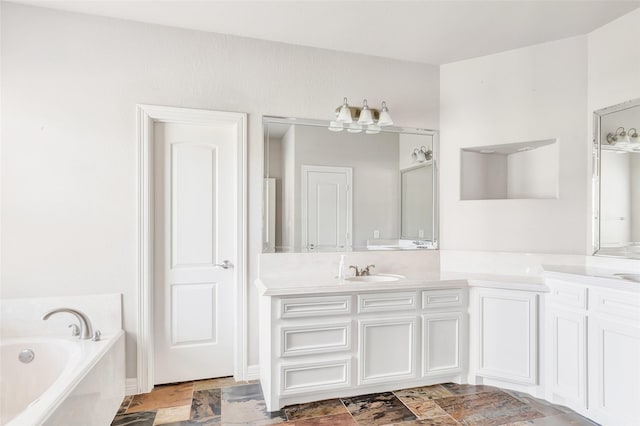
column 226, row 402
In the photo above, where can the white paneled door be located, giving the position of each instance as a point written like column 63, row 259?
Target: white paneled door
column 326, row 206
column 195, row 246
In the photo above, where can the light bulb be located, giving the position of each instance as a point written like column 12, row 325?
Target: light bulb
column 385, row 117
column 365, row 114
column 344, row 116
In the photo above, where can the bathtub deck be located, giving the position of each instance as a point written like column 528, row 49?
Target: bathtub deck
column 226, row 402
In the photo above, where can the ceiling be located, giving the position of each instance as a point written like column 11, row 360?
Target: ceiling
column 433, row 32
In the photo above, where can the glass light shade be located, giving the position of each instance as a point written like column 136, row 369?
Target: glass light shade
column 365, row 114
column 354, row 128
column 385, row 117
column 372, row 129
column 344, row 116
column 623, row 138
column 334, row 126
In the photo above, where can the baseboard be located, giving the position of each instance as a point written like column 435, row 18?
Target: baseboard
column 253, row 372
column 131, row 386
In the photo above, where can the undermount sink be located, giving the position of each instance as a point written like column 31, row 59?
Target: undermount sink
column 629, row 277
column 376, row 278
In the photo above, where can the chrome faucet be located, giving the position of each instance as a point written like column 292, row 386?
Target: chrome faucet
column 86, row 330
column 363, row 271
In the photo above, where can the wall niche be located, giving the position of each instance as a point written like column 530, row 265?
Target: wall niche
column 520, row 170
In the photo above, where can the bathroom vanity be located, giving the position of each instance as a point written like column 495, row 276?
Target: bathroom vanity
column 593, row 320
column 323, row 339
column 358, row 338
column 571, row 337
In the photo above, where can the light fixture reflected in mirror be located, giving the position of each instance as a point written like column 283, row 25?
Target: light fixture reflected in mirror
column 334, row 126
column 368, row 119
column 620, row 136
column 421, row 155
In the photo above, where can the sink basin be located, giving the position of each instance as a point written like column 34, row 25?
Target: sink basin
column 376, row 278
column 629, row 277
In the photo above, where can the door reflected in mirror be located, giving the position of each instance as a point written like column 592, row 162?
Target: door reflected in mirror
column 617, row 181
column 341, row 191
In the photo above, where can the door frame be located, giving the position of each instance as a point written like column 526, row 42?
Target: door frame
column 304, row 171
column 147, row 115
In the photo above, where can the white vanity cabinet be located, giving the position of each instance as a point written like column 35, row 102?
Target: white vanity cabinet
column 594, row 349
column 505, row 335
column 320, row 346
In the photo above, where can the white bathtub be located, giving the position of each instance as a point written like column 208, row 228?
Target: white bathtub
column 69, row 382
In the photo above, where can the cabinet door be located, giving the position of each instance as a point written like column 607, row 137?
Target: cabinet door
column 387, row 349
column 507, row 334
column 442, row 335
column 568, row 356
column 614, row 386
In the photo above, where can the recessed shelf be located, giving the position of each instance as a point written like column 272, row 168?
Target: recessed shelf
column 520, row 170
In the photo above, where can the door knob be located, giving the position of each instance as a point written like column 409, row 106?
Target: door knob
column 224, row 265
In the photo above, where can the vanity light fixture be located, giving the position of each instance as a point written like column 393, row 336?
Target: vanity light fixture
column 368, row 119
column 633, row 136
column 421, row 155
column 618, row 137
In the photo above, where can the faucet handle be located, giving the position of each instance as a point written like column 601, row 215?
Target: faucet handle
column 75, row 330
column 366, row 271
column 96, row 335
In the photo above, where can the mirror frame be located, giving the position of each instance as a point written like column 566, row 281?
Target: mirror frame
column 268, row 119
column 597, row 172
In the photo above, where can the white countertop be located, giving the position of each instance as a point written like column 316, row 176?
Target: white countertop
column 290, row 286
column 592, row 276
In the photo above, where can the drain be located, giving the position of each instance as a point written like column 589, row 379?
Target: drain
column 26, row 356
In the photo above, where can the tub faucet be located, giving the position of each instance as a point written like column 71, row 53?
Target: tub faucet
column 86, row 330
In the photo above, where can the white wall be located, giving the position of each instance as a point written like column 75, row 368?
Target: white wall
column 533, row 93
column 70, row 84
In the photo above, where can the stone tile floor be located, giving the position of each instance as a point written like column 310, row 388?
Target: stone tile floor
column 226, row 402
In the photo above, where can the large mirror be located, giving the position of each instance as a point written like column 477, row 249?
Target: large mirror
column 340, row 191
column 617, row 180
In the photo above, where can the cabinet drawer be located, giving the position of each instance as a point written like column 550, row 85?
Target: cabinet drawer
column 315, row 306
column 379, row 302
column 566, row 294
column 305, row 340
column 433, row 299
column 313, row 377
column 617, row 303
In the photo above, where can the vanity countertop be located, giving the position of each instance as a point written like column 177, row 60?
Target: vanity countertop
column 592, row 276
column 292, row 286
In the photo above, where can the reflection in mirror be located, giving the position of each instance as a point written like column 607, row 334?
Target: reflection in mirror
column 617, row 181
column 340, row 191
column 417, row 196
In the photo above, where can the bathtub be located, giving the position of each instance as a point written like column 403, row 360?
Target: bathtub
column 69, row 381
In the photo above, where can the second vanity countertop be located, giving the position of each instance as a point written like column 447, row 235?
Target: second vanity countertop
column 293, row 286
column 590, row 275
